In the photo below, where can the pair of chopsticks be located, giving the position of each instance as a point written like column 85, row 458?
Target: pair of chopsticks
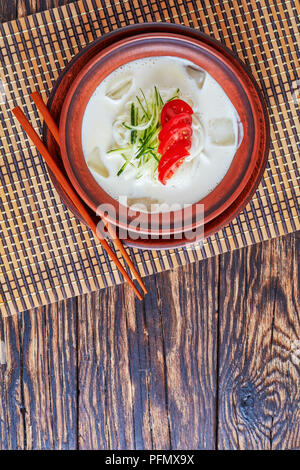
column 71, row 193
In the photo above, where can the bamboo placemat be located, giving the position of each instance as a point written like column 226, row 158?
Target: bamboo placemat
column 46, row 254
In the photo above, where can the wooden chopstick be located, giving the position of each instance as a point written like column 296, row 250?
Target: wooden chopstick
column 69, row 190
column 53, row 128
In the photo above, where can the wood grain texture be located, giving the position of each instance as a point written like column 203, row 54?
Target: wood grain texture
column 12, row 425
column 38, row 378
column 188, row 310
column 105, row 400
column 259, row 351
column 147, row 372
column 49, row 351
column 28, row 7
column 8, row 10
column 210, row 359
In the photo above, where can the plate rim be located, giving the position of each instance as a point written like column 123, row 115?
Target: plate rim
column 227, row 216
column 246, row 102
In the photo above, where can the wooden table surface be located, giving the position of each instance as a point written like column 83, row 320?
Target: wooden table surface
column 210, row 359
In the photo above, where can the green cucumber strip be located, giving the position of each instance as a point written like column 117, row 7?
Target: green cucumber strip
column 142, row 106
column 132, row 120
column 122, row 168
column 153, row 155
column 144, row 129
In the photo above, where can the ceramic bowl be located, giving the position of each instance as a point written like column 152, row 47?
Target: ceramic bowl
column 225, row 207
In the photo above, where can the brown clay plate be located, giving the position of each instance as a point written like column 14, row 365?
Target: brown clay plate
column 64, row 82
column 236, row 85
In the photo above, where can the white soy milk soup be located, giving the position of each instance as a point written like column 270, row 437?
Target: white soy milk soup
column 214, row 139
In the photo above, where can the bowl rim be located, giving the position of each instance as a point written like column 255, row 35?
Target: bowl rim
column 102, row 65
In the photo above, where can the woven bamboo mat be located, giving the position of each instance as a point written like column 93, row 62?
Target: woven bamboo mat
column 45, row 253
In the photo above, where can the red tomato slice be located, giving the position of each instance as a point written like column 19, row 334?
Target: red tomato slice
column 171, row 160
column 172, row 108
column 181, row 134
column 176, row 121
column 178, row 149
column 170, row 170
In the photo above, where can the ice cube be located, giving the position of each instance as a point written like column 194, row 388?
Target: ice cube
column 119, row 89
column 96, row 164
column 197, row 74
column 145, row 204
column 221, row 131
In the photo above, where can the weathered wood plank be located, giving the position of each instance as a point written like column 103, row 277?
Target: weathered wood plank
column 49, row 351
column 147, row 371
column 188, row 303
column 105, row 390
column 8, row 10
column 38, row 378
column 12, row 426
column 27, row 7
column 259, row 328
column 284, row 364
